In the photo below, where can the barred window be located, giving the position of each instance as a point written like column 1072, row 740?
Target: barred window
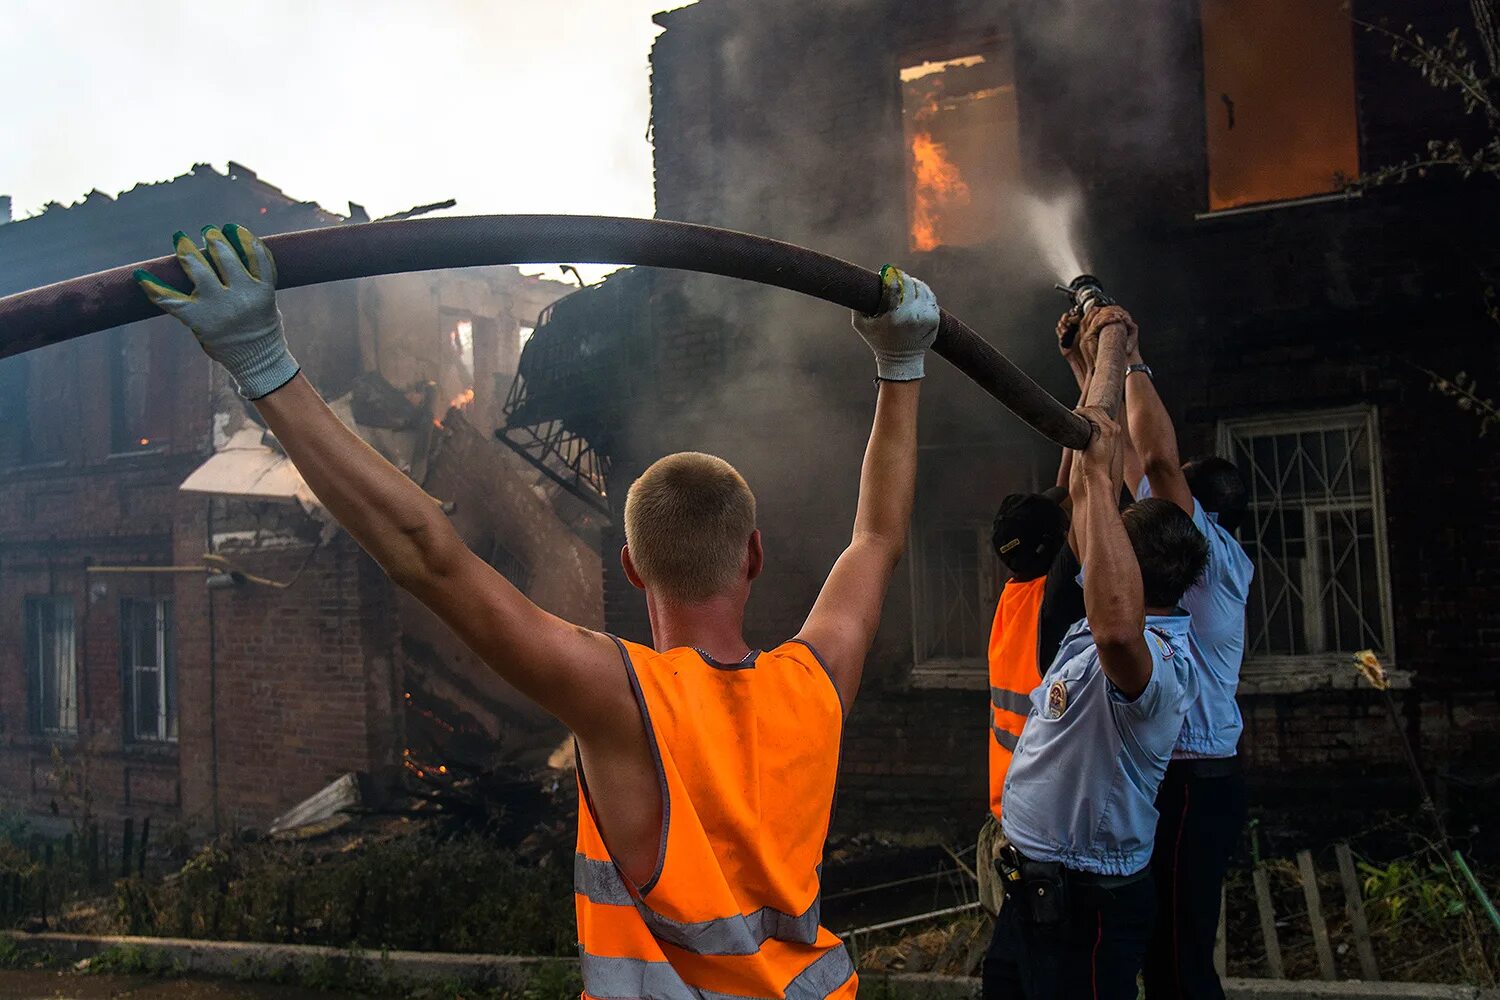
column 51, row 666
column 150, row 674
column 1316, row 531
column 955, row 590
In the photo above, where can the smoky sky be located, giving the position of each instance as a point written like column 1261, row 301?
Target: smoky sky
column 505, row 105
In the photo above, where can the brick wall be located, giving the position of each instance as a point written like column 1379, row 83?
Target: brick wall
column 282, row 690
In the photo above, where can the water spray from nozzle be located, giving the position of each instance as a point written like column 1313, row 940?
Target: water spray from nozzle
column 1086, row 294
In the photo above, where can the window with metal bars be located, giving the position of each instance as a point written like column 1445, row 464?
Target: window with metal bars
column 51, row 666
column 954, row 589
column 1316, row 530
column 149, row 672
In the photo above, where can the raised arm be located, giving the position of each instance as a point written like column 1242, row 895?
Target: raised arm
column 1067, row 345
column 1151, row 434
column 1113, row 594
column 843, row 620
column 574, row 673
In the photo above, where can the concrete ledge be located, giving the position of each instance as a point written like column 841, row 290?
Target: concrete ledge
column 1280, row 989
column 254, row 960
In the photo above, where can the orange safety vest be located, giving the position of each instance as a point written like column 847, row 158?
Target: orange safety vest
column 748, row 757
column 1014, row 674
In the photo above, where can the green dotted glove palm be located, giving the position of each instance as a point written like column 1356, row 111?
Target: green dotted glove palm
column 232, row 307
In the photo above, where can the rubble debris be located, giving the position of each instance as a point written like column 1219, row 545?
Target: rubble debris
column 319, row 814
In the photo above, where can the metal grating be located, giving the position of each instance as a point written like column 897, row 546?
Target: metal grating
column 1316, row 531
column 571, row 395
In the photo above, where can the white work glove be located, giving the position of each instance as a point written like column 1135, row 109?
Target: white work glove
column 901, row 335
column 232, row 308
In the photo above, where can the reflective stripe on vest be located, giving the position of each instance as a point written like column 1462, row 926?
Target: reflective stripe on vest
column 1005, row 738
column 1011, row 701
column 612, row 978
column 600, row 882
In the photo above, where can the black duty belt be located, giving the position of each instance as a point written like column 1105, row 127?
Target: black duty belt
column 1012, row 863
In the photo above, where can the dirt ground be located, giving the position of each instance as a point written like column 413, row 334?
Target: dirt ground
column 40, row 985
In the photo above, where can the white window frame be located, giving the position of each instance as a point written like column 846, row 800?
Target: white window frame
column 1336, row 662
column 163, row 667
column 63, row 641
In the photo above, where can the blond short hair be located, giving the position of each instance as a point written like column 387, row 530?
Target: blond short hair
column 688, row 522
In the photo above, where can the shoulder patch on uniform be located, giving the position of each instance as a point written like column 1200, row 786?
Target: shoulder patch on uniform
column 1057, row 700
column 1162, row 644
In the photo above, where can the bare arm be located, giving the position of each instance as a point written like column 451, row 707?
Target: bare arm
column 1135, row 469
column 1113, row 594
column 574, row 673
column 843, row 620
column 1067, row 345
column 1153, row 438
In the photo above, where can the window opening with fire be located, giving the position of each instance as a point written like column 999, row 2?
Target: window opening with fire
column 51, row 665
column 961, row 127
column 140, row 363
column 148, row 668
column 1316, row 531
column 1278, row 95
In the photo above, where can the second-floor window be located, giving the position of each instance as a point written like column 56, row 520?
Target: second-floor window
column 961, row 126
column 51, row 668
column 148, row 669
column 37, row 406
column 141, row 379
column 1278, row 95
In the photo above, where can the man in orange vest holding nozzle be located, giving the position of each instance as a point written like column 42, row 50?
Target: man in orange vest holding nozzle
column 706, row 768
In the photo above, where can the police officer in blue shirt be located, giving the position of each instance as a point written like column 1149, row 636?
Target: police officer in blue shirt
column 1202, row 800
column 1079, row 812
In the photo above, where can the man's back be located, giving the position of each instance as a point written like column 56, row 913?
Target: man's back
column 1217, row 605
column 747, row 756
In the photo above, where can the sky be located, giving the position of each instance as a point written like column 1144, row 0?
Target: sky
column 505, row 105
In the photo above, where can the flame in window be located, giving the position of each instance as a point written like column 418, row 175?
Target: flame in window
column 939, row 189
column 960, row 126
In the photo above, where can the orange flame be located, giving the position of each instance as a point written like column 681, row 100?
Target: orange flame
column 462, row 399
column 939, row 189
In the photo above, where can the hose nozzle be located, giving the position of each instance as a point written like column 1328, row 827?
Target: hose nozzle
column 1086, row 294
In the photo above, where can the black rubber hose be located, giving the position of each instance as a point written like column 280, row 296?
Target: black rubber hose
column 79, row 306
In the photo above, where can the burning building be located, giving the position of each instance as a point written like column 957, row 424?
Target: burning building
column 1289, row 322
column 183, row 631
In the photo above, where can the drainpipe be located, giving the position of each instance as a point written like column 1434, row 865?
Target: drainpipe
column 213, row 676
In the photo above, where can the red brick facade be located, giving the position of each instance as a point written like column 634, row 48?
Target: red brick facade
column 303, row 670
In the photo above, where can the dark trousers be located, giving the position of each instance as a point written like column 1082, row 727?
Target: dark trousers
column 1093, row 954
column 1202, row 806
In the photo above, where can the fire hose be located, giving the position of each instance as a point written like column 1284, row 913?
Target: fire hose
column 78, row 306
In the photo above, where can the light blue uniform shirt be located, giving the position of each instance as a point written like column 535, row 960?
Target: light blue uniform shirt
column 1082, row 786
column 1217, row 604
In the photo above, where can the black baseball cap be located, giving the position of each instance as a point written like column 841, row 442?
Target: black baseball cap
column 1030, row 529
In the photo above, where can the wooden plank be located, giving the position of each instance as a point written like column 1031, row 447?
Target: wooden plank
column 1268, row 923
column 1354, row 900
column 1310, row 893
column 1221, row 943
